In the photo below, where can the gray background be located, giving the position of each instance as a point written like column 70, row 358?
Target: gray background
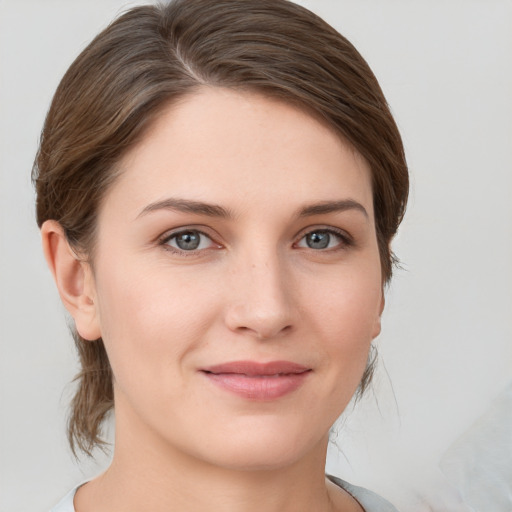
column 446, row 351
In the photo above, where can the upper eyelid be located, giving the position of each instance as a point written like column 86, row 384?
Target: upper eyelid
column 167, row 235
column 177, row 233
column 329, row 229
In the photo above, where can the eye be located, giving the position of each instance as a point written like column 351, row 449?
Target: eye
column 321, row 239
column 188, row 240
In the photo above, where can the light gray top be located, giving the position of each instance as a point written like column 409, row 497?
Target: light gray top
column 370, row 501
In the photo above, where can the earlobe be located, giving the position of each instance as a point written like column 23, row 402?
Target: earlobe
column 73, row 278
column 378, row 321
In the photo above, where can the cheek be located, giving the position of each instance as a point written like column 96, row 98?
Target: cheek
column 347, row 314
column 150, row 322
column 349, row 303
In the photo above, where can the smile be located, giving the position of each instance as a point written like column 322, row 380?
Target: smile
column 258, row 381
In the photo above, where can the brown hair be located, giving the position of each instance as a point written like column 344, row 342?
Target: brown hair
column 154, row 55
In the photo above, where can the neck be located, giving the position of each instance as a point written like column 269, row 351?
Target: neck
column 152, row 475
column 163, row 483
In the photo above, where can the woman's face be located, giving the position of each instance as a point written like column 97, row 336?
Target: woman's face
column 237, row 283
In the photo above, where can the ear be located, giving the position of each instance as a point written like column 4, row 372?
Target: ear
column 74, row 280
column 377, row 327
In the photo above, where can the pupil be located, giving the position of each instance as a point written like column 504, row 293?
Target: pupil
column 188, row 241
column 318, row 240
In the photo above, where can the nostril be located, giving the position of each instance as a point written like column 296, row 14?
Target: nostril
column 264, row 317
column 269, row 333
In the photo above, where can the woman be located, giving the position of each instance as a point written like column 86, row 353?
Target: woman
column 218, row 184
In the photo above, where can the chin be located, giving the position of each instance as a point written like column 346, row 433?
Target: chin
column 263, row 445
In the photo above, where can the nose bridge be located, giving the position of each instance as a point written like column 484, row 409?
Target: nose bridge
column 260, row 300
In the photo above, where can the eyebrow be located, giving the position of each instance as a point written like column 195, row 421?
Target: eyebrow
column 188, row 206
column 332, row 207
column 214, row 210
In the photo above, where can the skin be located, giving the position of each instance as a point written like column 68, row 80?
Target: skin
column 253, row 290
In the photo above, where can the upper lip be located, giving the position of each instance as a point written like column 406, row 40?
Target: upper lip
column 256, row 369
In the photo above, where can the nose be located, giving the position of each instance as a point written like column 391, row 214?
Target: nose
column 260, row 299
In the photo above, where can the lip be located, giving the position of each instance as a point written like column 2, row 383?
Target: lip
column 258, row 381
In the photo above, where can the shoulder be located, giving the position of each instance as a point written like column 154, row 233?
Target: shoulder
column 370, row 501
column 66, row 503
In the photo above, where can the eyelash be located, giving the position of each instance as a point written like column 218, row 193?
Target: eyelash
column 345, row 240
column 165, row 239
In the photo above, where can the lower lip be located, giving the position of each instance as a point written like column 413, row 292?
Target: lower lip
column 258, row 387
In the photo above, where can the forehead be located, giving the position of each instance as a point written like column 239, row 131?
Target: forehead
column 241, row 149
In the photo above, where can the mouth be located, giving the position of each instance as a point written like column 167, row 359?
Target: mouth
column 258, row 381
